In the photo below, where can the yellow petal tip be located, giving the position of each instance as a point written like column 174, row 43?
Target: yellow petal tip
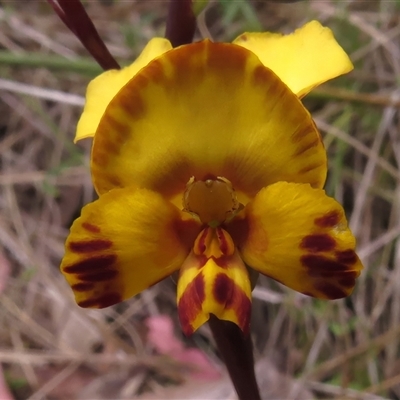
column 303, row 59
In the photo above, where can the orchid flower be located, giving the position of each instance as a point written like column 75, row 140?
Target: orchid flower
column 206, row 162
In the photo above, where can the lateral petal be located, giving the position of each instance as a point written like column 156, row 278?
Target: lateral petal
column 124, row 242
column 299, row 236
column 304, row 59
column 103, row 88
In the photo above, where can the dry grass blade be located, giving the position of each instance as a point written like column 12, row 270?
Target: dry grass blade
column 41, row 93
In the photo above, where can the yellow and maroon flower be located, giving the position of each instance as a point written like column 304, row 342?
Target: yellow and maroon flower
column 206, row 162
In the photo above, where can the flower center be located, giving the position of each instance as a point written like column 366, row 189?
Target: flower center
column 213, row 201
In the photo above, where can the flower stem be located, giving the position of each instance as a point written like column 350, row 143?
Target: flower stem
column 181, row 22
column 74, row 16
column 237, row 352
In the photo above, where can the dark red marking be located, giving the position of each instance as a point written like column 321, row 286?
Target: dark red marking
column 202, row 260
column 115, row 126
column 239, row 229
column 105, row 300
column 82, row 287
column 346, row 257
column 242, row 306
column 311, row 167
column 154, row 73
column 89, row 303
column 187, row 231
column 114, row 180
column 90, row 227
column 222, row 262
column 348, row 282
column 91, row 264
column 109, row 299
column 222, row 289
column 99, row 158
column 318, row 242
column 98, row 276
column 227, row 58
column 303, row 147
column 199, row 287
column 347, row 279
column 319, row 264
column 301, row 132
column 328, row 220
column 330, row 291
column 201, row 244
column 133, row 105
column 190, row 304
column 261, row 76
column 112, row 145
column 227, row 292
column 88, row 246
column 223, row 243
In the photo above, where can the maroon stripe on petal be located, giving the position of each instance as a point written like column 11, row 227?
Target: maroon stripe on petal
column 89, row 303
column 303, row 147
column 201, row 245
column 222, row 288
column 328, row 220
column 109, row 299
column 99, row 276
column 331, row 291
column 190, row 304
column 241, row 304
column 346, row 257
column 319, row 264
column 318, row 242
column 348, row 282
column 82, row 287
column 227, row 292
column 223, row 244
column 88, row 246
column 102, row 301
column 90, row 227
column 91, row 264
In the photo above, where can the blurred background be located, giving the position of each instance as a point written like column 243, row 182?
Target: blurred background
column 305, row 348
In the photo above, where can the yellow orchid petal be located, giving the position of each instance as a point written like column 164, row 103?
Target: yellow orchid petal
column 213, row 280
column 299, row 236
column 103, row 88
column 206, row 109
column 304, row 59
column 124, row 242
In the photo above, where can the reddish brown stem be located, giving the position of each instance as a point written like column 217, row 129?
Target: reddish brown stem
column 237, row 352
column 181, row 22
column 74, row 16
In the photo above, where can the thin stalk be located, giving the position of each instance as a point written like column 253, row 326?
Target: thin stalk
column 237, row 351
column 75, row 17
column 181, row 22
